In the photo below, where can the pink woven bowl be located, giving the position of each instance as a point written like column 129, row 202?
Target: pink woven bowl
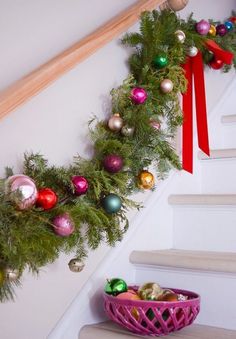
column 153, row 318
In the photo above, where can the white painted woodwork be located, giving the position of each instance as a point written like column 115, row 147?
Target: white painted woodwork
column 228, row 119
column 202, row 199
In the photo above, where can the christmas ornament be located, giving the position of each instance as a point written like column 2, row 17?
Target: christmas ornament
column 111, row 203
column 221, row 30
column 149, row 291
column 127, row 131
column 202, row 27
column 63, row 225
column 229, row 25
column 76, row 265
column 115, row 286
column 155, row 124
column 166, row 86
column 115, row 123
column 177, row 5
column 212, row 30
column 21, row 190
column 47, row 198
column 216, row 63
column 138, row 95
column 80, row 184
column 180, row 36
column 233, row 19
column 160, row 61
column 130, row 295
column 146, row 180
column 192, row 51
column 169, row 296
column 113, row 163
column 11, row 274
column 2, row 277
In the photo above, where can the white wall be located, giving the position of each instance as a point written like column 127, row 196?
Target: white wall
column 54, row 123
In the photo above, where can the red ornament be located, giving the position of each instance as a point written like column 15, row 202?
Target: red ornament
column 80, row 184
column 233, row 19
column 113, row 163
column 216, row 63
column 47, row 198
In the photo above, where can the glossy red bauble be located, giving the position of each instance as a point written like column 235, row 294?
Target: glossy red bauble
column 47, row 198
column 216, row 63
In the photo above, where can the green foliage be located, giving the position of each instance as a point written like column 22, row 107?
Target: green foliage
column 27, row 238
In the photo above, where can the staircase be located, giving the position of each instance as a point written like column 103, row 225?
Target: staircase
column 203, row 257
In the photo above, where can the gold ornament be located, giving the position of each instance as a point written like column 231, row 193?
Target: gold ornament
column 150, row 291
column 75, row 265
column 175, row 5
column 11, row 274
column 127, row 131
column 146, row 180
column 212, row 30
column 180, row 36
column 115, row 123
column 166, row 86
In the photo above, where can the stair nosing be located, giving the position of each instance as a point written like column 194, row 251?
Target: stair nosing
column 227, row 119
column 218, row 154
column 202, row 199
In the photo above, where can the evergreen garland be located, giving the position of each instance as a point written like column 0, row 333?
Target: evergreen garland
column 27, row 237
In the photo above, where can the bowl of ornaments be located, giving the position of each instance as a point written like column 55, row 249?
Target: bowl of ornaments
column 150, row 309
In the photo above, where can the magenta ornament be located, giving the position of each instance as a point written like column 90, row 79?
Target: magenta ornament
column 80, row 184
column 21, row 190
column 112, row 163
column 138, row 95
column 221, row 30
column 203, row 27
column 63, row 225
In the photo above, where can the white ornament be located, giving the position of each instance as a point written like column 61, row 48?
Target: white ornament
column 192, row 51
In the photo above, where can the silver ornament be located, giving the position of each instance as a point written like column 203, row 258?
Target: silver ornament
column 192, row 51
column 177, row 5
column 75, row 265
column 180, row 36
column 11, row 274
column 127, row 131
column 166, row 86
column 115, row 123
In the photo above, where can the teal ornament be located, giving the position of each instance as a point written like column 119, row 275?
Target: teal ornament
column 229, row 25
column 160, row 61
column 115, row 286
column 111, row 203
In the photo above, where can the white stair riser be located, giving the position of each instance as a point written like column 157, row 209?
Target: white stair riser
column 218, row 305
column 205, row 228
column 217, row 176
column 228, row 135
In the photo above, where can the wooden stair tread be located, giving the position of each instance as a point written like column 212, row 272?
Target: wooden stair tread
column 227, row 119
column 202, row 199
column 228, row 153
column 185, row 259
column 109, row 330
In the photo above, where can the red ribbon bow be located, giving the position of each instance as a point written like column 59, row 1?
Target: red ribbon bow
column 194, row 69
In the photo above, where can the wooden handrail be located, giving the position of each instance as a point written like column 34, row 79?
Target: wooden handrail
column 36, row 81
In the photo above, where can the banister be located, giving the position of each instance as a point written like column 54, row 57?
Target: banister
column 30, row 85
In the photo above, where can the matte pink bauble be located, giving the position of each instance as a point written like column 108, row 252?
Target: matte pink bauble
column 203, row 27
column 113, row 163
column 80, row 184
column 138, row 95
column 22, row 191
column 63, row 225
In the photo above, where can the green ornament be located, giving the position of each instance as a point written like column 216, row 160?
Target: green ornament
column 160, row 61
column 2, row 277
column 111, row 203
column 149, row 291
column 115, row 286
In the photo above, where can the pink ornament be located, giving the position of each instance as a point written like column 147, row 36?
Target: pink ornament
column 113, row 163
column 203, row 27
column 138, row 95
column 63, row 225
column 221, row 30
column 155, row 124
column 80, row 184
column 22, row 191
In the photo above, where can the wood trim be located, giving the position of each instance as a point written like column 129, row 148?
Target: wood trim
column 36, row 81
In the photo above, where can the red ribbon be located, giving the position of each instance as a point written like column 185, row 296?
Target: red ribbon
column 194, row 69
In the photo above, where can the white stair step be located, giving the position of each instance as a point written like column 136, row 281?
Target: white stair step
column 109, row 330
column 228, row 119
column 204, row 222
column 202, row 199
column 227, row 153
column 193, row 260
column 211, row 275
